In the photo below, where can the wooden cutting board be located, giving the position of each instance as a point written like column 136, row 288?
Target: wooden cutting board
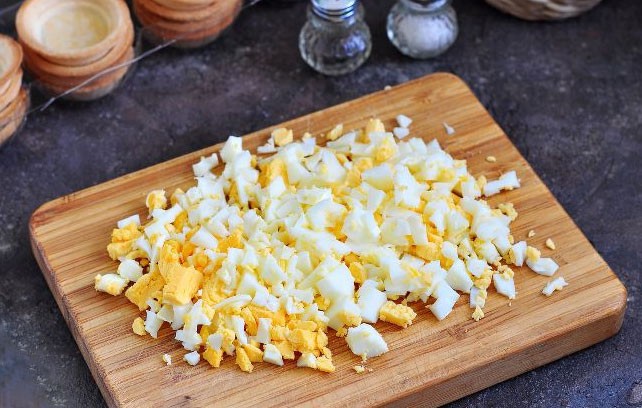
column 430, row 363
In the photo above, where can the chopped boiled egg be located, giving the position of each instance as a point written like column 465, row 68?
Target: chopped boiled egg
column 263, row 256
column 403, row 121
column 364, row 340
column 556, row 284
column 192, row 358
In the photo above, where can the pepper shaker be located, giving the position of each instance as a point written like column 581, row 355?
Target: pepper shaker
column 422, row 28
column 335, row 40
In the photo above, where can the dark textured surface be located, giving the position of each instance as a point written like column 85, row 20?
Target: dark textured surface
column 568, row 94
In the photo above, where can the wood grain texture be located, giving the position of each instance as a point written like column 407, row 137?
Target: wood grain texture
column 430, row 363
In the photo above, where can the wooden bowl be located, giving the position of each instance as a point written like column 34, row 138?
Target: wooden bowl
column 71, row 32
column 10, row 60
column 162, row 11
column 190, row 34
column 544, row 9
column 40, row 66
column 11, row 93
column 14, row 121
column 96, row 89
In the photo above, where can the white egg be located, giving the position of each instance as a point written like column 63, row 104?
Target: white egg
column 204, row 239
column 370, row 302
column 339, row 309
column 232, row 148
column 379, row 177
column 475, row 298
column 400, row 132
column 135, row 219
column 506, row 181
column 307, row 360
column 519, row 252
column 364, row 340
column 237, row 324
column 204, row 166
column 476, row 266
column 504, row 286
column 543, row 266
column 110, row 283
column 458, row 278
column 152, row 324
column 192, row 358
column 556, row 284
column 272, row 355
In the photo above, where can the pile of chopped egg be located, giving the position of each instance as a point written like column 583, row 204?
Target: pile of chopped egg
column 257, row 262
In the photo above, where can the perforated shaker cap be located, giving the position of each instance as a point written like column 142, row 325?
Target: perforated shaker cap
column 334, row 9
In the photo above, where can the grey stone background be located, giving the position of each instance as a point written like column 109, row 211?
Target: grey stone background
column 568, row 94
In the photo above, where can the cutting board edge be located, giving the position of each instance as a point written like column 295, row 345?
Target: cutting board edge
column 60, row 299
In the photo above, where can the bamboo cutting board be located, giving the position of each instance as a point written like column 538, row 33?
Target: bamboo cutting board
column 430, row 363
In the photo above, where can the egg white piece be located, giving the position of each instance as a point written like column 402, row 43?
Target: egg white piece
column 152, row 324
column 543, row 266
column 110, row 283
column 519, row 252
column 504, row 286
column 192, row 358
column 556, row 284
column 130, row 270
column 307, row 360
column 458, row 278
column 403, row 121
column 507, row 181
column 400, row 132
column 364, row 340
column 272, row 355
column 370, row 302
column 135, row 219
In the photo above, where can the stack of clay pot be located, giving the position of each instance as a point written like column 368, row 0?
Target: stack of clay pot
column 14, row 99
column 187, row 23
column 68, row 42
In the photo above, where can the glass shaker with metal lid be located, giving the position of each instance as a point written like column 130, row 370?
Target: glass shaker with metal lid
column 335, row 40
column 422, row 28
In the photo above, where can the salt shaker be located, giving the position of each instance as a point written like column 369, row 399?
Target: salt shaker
column 335, row 40
column 422, row 28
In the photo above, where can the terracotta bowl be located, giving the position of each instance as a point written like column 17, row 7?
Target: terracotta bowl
column 40, row 66
column 10, row 61
column 12, row 123
column 72, row 32
column 190, row 34
column 12, row 91
column 96, row 89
